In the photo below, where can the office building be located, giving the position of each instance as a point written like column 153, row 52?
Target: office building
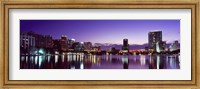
column 63, row 43
column 125, row 46
column 174, row 46
column 160, row 46
column 70, row 42
column 153, row 38
column 27, row 40
column 31, row 39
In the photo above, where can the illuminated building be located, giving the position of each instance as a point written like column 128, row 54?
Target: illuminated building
column 154, row 37
column 174, row 46
column 30, row 39
column 63, row 42
column 27, row 40
column 32, row 43
column 125, row 46
column 36, row 40
column 70, row 42
column 78, row 47
column 160, row 46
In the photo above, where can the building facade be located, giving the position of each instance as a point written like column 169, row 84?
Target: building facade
column 174, row 46
column 78, row 47
column 125, row 46
column 153, row 38
column 27, row 40
column 33, row 40
column 63, row 43
column 70, row 42
column 161, row 46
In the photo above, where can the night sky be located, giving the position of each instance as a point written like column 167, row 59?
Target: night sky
column 104, row 31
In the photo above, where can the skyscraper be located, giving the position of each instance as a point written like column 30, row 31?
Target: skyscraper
column 63, row 42
column 154, row 37
column 174, row 46
column 125, row 46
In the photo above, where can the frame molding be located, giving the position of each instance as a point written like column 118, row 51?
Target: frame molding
column 91, row 84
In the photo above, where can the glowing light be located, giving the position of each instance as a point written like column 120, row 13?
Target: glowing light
column 56, row 52
column 73, row 39
column 41, row 52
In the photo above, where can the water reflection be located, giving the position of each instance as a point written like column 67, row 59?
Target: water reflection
column 82, row 61
column 125, row 61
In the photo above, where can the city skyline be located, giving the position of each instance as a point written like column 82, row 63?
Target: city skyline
column 104, row 31
column 99, row 44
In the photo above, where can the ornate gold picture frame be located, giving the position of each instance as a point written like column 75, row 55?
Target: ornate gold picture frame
column 94, row 84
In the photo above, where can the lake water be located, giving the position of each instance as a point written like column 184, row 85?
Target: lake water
column 81, row 61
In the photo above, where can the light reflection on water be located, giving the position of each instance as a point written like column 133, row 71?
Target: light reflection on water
column 81, row 61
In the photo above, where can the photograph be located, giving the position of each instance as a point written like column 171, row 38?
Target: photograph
column 104, row 44
column 100, row 44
